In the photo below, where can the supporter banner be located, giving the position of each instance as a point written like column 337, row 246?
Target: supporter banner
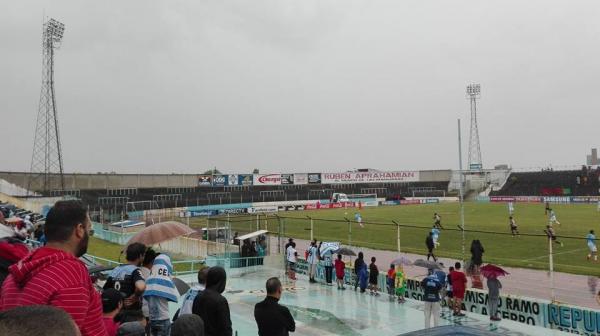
column 267, row 179
column 204, row 180
column 245, row 179
column 394, row 176
column 263, row 209
column 300, row 178
column 314, row 178
column 232, row 180
column 219, row 180
column 287, row 178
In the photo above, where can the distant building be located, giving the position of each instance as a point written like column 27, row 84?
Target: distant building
column 592, row 160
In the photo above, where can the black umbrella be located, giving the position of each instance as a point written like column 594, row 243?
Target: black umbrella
column 344, row 251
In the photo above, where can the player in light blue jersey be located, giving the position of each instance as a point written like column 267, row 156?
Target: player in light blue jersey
column 591, row 243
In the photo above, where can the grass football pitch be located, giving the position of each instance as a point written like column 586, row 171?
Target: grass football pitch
column 487, row 222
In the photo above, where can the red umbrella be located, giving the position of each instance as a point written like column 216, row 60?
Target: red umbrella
column 492, row 271
column 161, row 232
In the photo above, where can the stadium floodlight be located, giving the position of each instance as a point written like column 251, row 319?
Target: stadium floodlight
column 54, row 31
column 474, row 90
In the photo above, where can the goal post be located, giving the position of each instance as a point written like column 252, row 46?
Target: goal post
column 364, row 199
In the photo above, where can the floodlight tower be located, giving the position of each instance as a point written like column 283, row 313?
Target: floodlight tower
column 474, row 93
column 46, row 160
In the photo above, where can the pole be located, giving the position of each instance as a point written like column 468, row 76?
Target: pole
column 551, row 266
column 311, row 229
column 397, row 234
column 462, row 205
column 349, row 231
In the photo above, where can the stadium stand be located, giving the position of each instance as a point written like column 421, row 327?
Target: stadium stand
column 584, row 182
column 102, row 198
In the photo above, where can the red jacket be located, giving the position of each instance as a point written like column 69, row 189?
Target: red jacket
column 339, row 268
column 459, row 283
column 53, row 277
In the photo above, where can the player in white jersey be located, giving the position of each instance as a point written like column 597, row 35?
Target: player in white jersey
column 591, row 243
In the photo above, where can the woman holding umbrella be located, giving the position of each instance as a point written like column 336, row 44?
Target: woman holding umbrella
column 492, row 272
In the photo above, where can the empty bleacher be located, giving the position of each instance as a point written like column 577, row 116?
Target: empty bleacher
column 115, row 200
column 582, row 182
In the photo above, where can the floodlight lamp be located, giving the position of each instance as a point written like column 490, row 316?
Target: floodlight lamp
column 473, row 89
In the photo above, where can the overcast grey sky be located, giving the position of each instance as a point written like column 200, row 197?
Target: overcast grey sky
column 311, row 85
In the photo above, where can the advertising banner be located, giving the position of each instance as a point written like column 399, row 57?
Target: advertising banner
column 204, row 180
column 314, row 178
column 263, row 209
column 233, row 211
column 300, row 178
column 287, row 178
column 232, row 180
column 557, row 199
column 220, row 180
column 267, row 179
column 203, row 213
column 502, row 198
column 245, row 179
column 533, row 199
column 370, row 177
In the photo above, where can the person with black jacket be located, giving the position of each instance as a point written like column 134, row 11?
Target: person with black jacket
column 213, row 307
column 272, row 318
column 360, row 261
column 430, row 246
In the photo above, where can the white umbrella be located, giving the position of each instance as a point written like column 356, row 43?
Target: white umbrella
column 329, row 246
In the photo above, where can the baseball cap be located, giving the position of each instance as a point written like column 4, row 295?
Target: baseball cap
column 110, row 299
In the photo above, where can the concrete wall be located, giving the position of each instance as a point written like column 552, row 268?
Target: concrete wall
column 105, row 181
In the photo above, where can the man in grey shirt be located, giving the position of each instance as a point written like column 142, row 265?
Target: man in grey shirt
column 494, row 286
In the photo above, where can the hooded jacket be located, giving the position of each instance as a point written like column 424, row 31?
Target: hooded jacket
column 49, row 276
column 213, row 307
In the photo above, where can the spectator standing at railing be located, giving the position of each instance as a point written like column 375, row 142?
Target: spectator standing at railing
column 328, row 264
column 272, row 318
column 145, row 271
column 459, row 286
column 312, row 260
column 213, row 307
column 494, row 286
column 53, row 275
column 128, row 278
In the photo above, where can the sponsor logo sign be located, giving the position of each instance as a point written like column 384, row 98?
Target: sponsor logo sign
column 204, row 180
column 502, row 198
column 287, row 178
column 220, row 180
column 314, row 178
column 263, row 209
column 233, row 211
column 557, row 199
column 203, row 213
column 300, row 178
column 370, row 177
column 267, row 179
column 245, row 179
column 232, row 179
